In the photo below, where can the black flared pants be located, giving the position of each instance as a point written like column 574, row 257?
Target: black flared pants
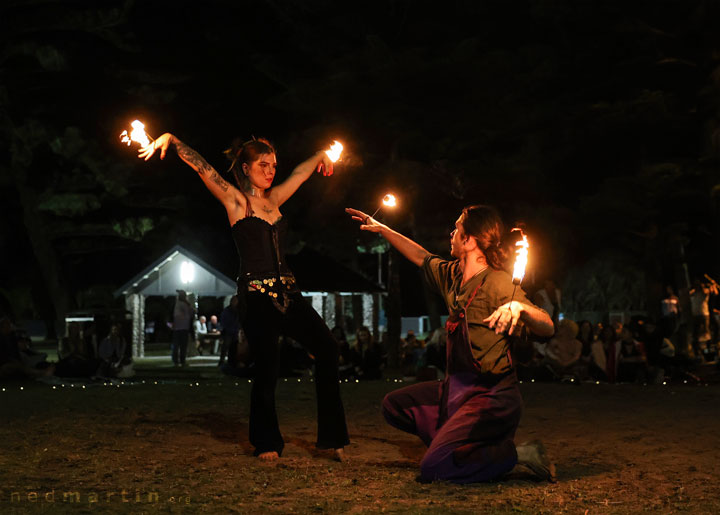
column 263, row 324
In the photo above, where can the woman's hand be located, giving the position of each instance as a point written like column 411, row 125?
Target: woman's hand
column 368, row 223
column 162, row 143
column 505, row 317
column 325, row 165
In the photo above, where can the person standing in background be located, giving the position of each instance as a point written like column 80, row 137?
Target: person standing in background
column 182, row 318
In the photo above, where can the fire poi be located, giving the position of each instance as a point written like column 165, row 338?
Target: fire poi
column 334, row 153
column 137, row 134
column 388, row 200
column 521, row 259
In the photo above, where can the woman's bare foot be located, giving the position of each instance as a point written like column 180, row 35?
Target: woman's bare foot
column 339, row 455
column 269, row 456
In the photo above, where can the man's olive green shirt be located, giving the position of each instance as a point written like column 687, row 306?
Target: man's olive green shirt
column 495, row 289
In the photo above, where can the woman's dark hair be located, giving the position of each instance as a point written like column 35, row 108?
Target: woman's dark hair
column 247, row 152
column 485, row 225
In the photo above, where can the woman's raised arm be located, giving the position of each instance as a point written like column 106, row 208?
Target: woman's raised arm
column 219, row 187
column 302, row 172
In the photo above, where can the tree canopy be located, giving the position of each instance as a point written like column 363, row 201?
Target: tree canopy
column 595, row 123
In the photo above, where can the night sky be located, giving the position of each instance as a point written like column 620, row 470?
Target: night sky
column 593, row 122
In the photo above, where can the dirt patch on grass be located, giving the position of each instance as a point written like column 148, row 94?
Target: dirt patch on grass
column 173, row 447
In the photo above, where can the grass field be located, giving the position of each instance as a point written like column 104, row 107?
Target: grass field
column 181, row 445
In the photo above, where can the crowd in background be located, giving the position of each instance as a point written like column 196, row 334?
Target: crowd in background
column 79, row 354
column 643, row 349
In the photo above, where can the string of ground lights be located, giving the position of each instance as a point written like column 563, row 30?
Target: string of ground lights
column 198, row 384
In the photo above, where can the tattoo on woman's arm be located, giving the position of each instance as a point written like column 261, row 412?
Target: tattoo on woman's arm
column 222, row 183
column 192, row 158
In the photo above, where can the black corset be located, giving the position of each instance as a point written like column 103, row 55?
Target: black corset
column 261, row 247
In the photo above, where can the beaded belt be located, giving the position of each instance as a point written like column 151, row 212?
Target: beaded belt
column 275, row 288
column 272, row 286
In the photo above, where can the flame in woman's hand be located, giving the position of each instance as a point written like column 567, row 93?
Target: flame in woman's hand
column 335, row 151
column 389, row 200
column 137, row 134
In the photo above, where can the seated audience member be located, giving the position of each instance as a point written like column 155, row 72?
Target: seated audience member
column 597, row 330
column 599, row 360
column 13, row 365
column 28, row 356
column 230, row 331
column 74, row 344
column 200, row 333
column 611, row 345
column 367, row 356
column 651, row 338
column 213, row 329
column 411, row 350
column 617, row 326
column 239, row 362
column 111, row 352
column 586, row 337
column 77, row 356
column 632, row 361
column 435, row 356
column 294, row 359
column 563, row 353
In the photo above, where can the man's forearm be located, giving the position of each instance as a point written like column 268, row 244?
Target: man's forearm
column 407, row 247
column 537, row 320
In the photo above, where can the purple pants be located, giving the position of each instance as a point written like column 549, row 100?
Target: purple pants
column 475, row 443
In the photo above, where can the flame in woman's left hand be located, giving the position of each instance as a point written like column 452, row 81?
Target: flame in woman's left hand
column 137, row 134
column 335, row 151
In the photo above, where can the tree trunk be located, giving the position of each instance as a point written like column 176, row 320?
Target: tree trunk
column 25, row 142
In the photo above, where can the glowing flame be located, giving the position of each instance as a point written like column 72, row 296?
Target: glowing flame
column 137, row 134
column 389, row 200
column 335, row 151
column 521, row 258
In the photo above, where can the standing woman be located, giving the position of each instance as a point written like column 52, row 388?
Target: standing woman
column 468, row 421
column 273, row 303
